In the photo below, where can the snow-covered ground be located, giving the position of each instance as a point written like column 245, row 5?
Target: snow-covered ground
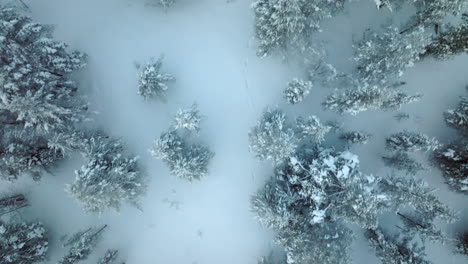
column 209, row 47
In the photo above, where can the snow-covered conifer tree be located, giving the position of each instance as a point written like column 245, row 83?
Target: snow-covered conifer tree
column 287, row 25
column 417, row 195
column 185, row 160
column 326, row 243
column 38, row 98
column 355, row 100
column 22, row 243
column 310, row 128
column 273, row 138
column 450, row 42
column 430, row 12
column 296, row 90
column 355, row 137
column 411, row 141
column 458, row 117
column 81, row 245
column 396, row 249
column 452, row 160
column 403, row 162
column 305, row 185
column 382, row 57
column 12, row 203
column 188, row 119
column 108, row 178
column 109, row 257
column 152, row 83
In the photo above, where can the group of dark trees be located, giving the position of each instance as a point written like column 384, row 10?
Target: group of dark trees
column 316, row 190
column 41, row 111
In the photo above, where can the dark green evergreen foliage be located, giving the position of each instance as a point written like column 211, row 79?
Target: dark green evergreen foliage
column 81, row 245
column 22, row 243
column 452, row 41
column 38, row 99
column 403, row 162
column 462, row 245
column 452, row 160
column 396, row 249
column 458, row 117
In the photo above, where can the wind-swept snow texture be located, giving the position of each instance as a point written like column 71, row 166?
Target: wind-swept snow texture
column 209, row 48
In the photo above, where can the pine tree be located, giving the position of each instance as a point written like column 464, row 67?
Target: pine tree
column 38, row 98
column 430, row 12
column 392, row 249
column 355, row 137
column 452, row 160
column 353, row 101
column 287, row 25
column 410, row 141
column 326, row 243
column 81, row 245
column 12, row 203
column 188, row 119
column 109, row 257
column 403, row 162
column 462, row 245
column 452, row 41
column 273, row 138
column 22, row 243
column 317, row 184
column 458, row 117
column 186, row 161
column 310, row 128
column 383, row 57
column 296, row 90
column 108, row 178
column 417, row 195
column 416, row 224
column 152, row 84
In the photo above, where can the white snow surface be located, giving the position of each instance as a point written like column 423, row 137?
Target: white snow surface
column 210, row 49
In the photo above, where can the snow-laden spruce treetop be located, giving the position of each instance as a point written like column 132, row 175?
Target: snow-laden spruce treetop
column 285, row 25
column 38, row 98
column 152, row 83
column 81, row 244
column 275, row 138
column 317, row 188
column 185, row 160
column 297, row 90
column 109, row 178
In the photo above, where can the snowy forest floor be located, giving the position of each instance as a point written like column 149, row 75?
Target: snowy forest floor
column 209, row 47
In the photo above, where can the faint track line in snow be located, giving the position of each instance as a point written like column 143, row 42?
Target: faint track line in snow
column 246, row 86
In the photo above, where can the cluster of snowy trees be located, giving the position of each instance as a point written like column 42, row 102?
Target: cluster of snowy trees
column 274, row 138
column 452, row 158
column 317, row 189
column 38, row 98
column 284, row 25
column 185, row 160
column 108, row 178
